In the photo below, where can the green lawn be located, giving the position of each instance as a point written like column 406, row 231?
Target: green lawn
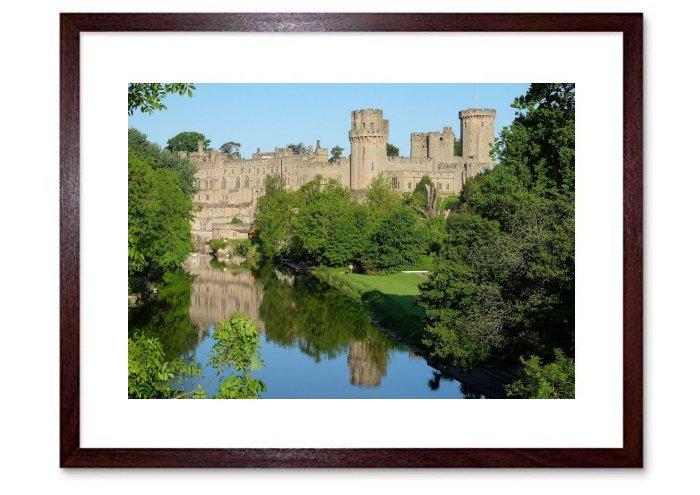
column 391, row 298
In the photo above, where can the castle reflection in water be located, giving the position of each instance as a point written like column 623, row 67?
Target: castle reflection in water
column 291, row 313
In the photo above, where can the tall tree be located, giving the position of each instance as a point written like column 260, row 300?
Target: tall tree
column 396, row 242
column 230, row 148
column 381, row 198
column 274, row 217
column 297, row 149
column 187, row 141
column 322, row 207
column 336, row 153
column 391, row 150
column 503, row 286
column 156, row 158
column 148, row 97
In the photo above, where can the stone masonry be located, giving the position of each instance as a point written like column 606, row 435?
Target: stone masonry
column 229, row 187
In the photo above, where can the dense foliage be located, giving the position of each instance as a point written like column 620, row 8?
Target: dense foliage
column 187, row 141
column 397, row 242
column 550, row 381
column 148, row 97
column 236, row 350
column 298, row 149
column 230, row 148
column 391, row 150
column 159, row 211
column 323, row 224
column 336, row 153
column 503, row 285
column 150, row 375
column 167, row 317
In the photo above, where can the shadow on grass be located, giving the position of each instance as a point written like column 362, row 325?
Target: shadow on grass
column 400, row 314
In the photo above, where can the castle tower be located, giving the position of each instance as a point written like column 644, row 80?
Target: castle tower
column 369, row 133
column 476, row 131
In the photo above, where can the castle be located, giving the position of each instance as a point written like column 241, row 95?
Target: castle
column 229, row 186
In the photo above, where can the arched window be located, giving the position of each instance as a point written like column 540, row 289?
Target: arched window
column 394, row 183
column 238, row 182
column 448, row 186
column 440, row 185
column 223, row 183
column 246, row 182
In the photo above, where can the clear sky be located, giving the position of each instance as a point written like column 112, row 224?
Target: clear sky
column 268, row 115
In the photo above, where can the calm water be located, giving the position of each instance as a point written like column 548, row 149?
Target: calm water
column 316, row 342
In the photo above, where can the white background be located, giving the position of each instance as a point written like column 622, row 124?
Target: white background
column 593, row 419
column 30, row 269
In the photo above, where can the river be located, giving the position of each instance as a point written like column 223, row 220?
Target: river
column 316, row 342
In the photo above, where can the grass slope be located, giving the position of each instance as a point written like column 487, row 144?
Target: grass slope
column 391, row 298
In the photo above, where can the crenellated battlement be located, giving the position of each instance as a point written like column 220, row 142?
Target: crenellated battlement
column 473, row 113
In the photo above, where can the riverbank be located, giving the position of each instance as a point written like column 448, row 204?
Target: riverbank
column 393, row 302
column 392, row 299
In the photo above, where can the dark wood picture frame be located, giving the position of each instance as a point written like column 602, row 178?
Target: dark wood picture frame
column 71, row 453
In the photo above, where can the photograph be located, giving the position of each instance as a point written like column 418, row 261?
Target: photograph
column 351, row 240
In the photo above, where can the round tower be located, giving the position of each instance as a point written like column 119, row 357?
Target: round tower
column 476, row 131
column 369, row 133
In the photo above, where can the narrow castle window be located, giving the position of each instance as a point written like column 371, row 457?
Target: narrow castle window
column 448, row 186
column 373, row 166
column 372, row 126
column 363, row 126
column 246, row 182
column 394, row 183
column 238, row 182
column 223, row 183
column 409, row 185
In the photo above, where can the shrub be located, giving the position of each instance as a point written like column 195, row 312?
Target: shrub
column 550, row 381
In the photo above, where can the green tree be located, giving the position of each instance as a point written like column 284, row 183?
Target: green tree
column 159, row 214
column 151, row 154
column 458, row 147
column 230, row 148
column 348, row 238
column 555, row 380
column 380, row 198
column 148, row 97
column 391, row 150
column 503, row 284
column 236, row 348
column 274, row 218
column 397, row 242
column 321, row 208
column 297, row 149
column 150, row 375
column 187, row 141
column 336, row 153
column 419, row 196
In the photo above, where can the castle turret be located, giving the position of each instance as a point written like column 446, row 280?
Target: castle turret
column 369, row 133
column 476, row 131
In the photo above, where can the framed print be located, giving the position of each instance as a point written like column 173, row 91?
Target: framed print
column 426, row 235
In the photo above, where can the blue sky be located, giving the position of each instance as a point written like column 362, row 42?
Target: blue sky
column 269, row 115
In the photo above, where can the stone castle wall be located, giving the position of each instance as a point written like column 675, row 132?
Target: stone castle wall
column 229, row 186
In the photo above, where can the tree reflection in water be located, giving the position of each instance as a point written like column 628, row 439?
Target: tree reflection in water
column 323, row 323
column 294, row 312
